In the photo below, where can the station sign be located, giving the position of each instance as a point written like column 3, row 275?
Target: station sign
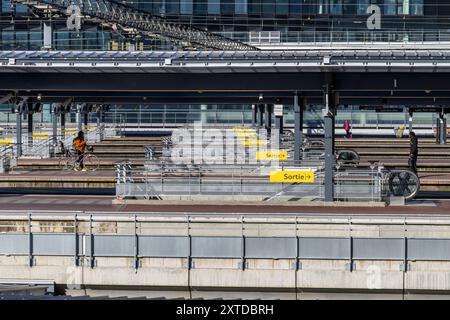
column 271, row 155
column 291, row 176
column 254, row 143
column 40, row 135
column 6, row 141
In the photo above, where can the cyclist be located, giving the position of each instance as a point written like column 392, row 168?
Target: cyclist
column 80, row 147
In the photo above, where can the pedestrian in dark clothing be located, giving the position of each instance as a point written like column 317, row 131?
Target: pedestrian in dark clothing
column 414, row 150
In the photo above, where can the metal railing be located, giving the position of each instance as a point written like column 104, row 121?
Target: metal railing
column 357, row 37
column 246, row 182
column 8, row 159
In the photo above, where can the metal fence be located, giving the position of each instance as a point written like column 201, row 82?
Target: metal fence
column 233, row 236
column 165, row 180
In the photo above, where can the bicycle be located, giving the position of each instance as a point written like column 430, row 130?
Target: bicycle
column 69, row 162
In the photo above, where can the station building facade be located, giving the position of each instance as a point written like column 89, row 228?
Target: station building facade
column 254, row 21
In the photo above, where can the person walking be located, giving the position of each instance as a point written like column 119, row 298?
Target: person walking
column 413, row 152
column 347, row 128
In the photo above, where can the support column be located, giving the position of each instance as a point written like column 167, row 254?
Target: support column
column 441, row 129
column 79, row 118
column 329, row 157
column 298, row 126
column 268, row 115
column 261, row 115
column 85, row 120
column 278, row 113
column 328, row 120
column 48, row 37
column 30, row 128
column 19, row 134
column 54, row 124
column 63, row 125
column 410, row 122
column 254, row 115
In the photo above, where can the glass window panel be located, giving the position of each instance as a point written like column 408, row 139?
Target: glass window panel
column 173, row 6
column 186, row 6
column 282, row 7
column 240, row 6
column 389, row 7
column 416, row 7
column 227, row 7
column 362, row 7
column 336, row 7
column 295, row 7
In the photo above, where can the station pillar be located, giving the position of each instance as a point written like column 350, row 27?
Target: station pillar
column 85, row 120
column 441, row 129
column 63, row 125
column 329, row 126
column 298, row 126
column 19, row 133
column 268, row 117
column 30, row 128
column 54, row 111
column 410, row 122
column 254, row 115
column 278, row 113
column 261, row 115
column 79, row 118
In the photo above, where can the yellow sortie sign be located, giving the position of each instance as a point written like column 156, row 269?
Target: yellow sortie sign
column 253, row 143
column 271, row 155
column 6, row 141
column 302, row 176
column 40, row 135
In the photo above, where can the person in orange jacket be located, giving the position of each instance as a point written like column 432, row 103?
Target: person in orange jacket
column 80, row 147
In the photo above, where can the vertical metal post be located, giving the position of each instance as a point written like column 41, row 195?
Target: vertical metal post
column 298, row 127
column 329, row 157
column 79, row 119
column 410, row 121
column 268, row 118
column 297, row 251
column 54, row 124
column 86, row 120
column 136, row 245
column 30, row 128
column 441, row 129
column 254, row 115
column 75, row 235
column 63, row 125
column 30, row 241
column 350, row 266
column 91, row 243
column 189, row 257
column 261, row 115
column 329, row 143
column 19, row 133
column 242, row 244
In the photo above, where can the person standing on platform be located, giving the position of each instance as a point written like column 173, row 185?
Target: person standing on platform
column 413, row 152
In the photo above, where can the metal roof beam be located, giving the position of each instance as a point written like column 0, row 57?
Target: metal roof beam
column 113, row 12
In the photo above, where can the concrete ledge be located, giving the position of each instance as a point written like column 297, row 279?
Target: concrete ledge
column 251, row 203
